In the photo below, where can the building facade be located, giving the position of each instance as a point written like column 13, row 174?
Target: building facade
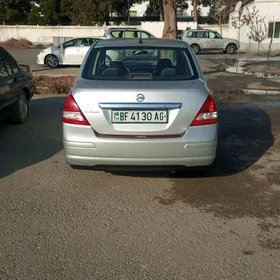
column 267, row 9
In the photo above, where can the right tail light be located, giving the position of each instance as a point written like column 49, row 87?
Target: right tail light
column 208, row 113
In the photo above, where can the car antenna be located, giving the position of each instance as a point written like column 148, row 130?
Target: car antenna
column 140, row 39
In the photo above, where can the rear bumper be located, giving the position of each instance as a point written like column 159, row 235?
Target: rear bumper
column 196, row 148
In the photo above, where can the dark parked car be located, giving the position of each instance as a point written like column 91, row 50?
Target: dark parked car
column 17, row 87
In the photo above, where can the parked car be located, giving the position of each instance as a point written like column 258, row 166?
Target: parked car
column 71, row 52
column 127, row 33
column 209, row 40
column 142, row 110
column 16, row 88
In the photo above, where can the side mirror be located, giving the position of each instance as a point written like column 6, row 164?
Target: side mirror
column 61, row 48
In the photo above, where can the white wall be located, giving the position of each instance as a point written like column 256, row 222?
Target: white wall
column 45, row 34
column 270, row 9
column 156, row 28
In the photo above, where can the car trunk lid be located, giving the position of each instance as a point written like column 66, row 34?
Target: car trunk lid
column 140, row 108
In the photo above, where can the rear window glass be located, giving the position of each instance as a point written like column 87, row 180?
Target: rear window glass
column 139, row 64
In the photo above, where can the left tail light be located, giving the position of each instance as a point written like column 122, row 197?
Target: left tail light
column 72, row 114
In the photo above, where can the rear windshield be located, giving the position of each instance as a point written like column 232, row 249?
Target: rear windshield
column 139, row 64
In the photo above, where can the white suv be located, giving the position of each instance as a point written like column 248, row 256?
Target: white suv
column 209, row 40
column 126, row 33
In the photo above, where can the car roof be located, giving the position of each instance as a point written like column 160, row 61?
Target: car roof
column 149, row 42
column 86, row 37
column 199, row 30
column 116, row 28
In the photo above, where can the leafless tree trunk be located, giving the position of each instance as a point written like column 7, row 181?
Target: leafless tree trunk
column 170, row 19
column 220, row 23
column 259, row 48
column 195, row 10
column 271, row 40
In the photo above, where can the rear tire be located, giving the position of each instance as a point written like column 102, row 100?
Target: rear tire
column 196, row 48
column 231, row 49
column 20, row 111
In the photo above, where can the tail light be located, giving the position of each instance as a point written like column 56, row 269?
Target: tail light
column 207, row 114
column 72, row 113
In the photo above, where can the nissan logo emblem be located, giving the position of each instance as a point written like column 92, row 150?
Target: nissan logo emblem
column 140, row 97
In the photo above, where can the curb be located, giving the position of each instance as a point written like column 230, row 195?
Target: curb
column 53, row 75
column 246, row 98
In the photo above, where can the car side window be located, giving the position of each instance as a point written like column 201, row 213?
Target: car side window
column 191, row 34
column 200, row 35
column 117, row 34
column 214, row 35
column 11, row 65
column 80, row 42
column 130, row 34
column 145, row 35
column 91, row 41
column 205, row 35
column 69, row 44
column 3, row 70
column 217, row 35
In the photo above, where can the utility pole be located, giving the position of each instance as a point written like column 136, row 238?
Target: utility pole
column 195, row 10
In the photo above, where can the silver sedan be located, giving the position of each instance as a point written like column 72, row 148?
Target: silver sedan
column 150, row 107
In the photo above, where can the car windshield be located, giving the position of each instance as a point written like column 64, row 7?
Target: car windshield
column 139, row 64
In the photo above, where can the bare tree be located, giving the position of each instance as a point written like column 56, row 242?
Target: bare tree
column 258, row 29
column 170, row 19
column 271, row 39
column 238, row 22
column 219, row 11
column 249, row 20
column 259, row 32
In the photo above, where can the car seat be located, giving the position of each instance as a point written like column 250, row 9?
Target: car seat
column 162, row 64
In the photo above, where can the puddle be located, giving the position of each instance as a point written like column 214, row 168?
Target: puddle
column 240, row 68
column 260, row 92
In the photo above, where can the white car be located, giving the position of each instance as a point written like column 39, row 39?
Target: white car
column 71, row 52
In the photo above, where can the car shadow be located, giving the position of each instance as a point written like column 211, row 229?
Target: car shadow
column 34, row 141
column 244, row 136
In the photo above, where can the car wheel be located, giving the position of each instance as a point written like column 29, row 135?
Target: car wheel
column 21, row 109
column 231, row 49
column 108, row 60
column 52, row 61
column 195, row 48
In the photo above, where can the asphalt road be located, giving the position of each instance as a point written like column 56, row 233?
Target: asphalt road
column 59, row 223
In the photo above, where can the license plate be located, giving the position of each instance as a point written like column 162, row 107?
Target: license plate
column 130, row 116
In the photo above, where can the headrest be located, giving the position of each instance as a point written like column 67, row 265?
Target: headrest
column 168, row 72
